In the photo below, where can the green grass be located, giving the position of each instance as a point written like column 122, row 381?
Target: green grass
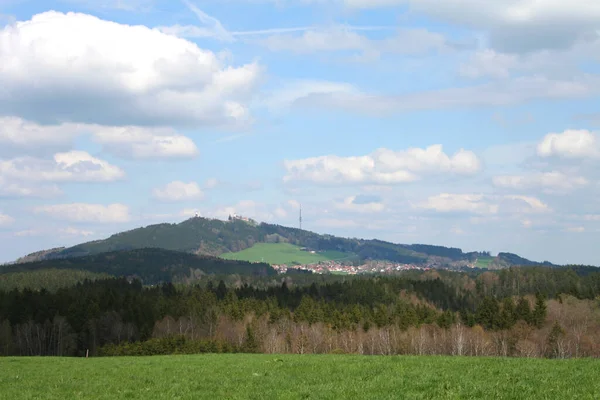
column 484, row 262
column 244, row 376
column 283, row 253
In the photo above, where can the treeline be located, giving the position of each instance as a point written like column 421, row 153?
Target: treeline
column 50, row 279
column 151, row 265
column 384, row 315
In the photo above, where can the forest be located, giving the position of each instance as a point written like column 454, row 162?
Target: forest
column 523, row 312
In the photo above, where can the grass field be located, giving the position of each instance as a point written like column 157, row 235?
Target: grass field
column 244, row 376
column 484, row 262
column 283, row 253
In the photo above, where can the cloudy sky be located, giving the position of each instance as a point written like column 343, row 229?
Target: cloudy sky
column 468, row 123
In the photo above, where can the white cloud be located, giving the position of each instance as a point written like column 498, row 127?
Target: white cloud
column 82, row 212
column 512, row 25
column 116, row 74
column 70, row 231
column 488, row 63
column 73, row 166
column 22, row 133
column 125, row 141
column 326, row 95
column 483, row 204
column 211, row 183
column 145, row 143
column 528, row 204
column 383, row 166
column 353, row 205
column 448, row 202
column 19, row 189
column 346, row 38
column 6, row 219
column 552, row 181
column 179, row 191
column 569, row 144
column 29, row 233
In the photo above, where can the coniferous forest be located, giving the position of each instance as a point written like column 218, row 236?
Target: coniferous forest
column 525, row 312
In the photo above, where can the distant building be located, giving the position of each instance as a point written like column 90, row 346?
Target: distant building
column 238, row 217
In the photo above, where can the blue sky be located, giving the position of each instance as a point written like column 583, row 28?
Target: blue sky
column 473, row 124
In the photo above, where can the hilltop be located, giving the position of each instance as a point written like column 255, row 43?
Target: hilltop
column 213, row 237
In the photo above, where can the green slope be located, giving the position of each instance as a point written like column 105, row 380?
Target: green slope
column 284, row 253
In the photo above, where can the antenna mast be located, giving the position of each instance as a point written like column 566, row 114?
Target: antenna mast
column 300, row 218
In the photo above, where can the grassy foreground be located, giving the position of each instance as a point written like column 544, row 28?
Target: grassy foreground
column 244, row 376
column 283, row 253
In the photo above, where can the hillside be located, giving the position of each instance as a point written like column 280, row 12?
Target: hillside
column 150, row 265
column 216, row 237
column 285, row 253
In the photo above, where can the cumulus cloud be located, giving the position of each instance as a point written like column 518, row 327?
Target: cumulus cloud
column 550, row 181
column 21, row 133
column 179, row 191
column 72, row 166
column 116, row 74
column 124, row 141
column 145, row 143
column 83, row 212
column 383, row 166
column 569, row 144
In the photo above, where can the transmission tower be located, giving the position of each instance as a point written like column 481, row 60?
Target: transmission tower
column 300, row 218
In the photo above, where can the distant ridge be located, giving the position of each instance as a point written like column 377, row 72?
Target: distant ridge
column 214, row 237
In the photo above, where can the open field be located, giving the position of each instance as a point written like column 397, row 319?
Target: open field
column 484, row 262
column 245, row 376
column 283, row 253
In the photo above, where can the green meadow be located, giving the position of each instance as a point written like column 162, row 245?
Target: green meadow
column 250, row 376
column 484, row 262
column 283, row 253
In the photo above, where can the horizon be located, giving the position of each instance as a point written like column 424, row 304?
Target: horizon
column 395, row 120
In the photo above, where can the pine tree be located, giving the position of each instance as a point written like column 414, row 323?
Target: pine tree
column 523, row 310
column 538, row 316
column 251, row 344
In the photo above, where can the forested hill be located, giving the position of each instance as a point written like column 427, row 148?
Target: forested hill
column 150, row 265
column 215, row 237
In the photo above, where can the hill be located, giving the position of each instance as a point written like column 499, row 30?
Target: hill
column 150, row 265
column 216, row 237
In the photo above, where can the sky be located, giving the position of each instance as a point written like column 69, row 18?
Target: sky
column 467, row 123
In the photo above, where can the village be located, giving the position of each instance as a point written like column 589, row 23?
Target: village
column 342, row 268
